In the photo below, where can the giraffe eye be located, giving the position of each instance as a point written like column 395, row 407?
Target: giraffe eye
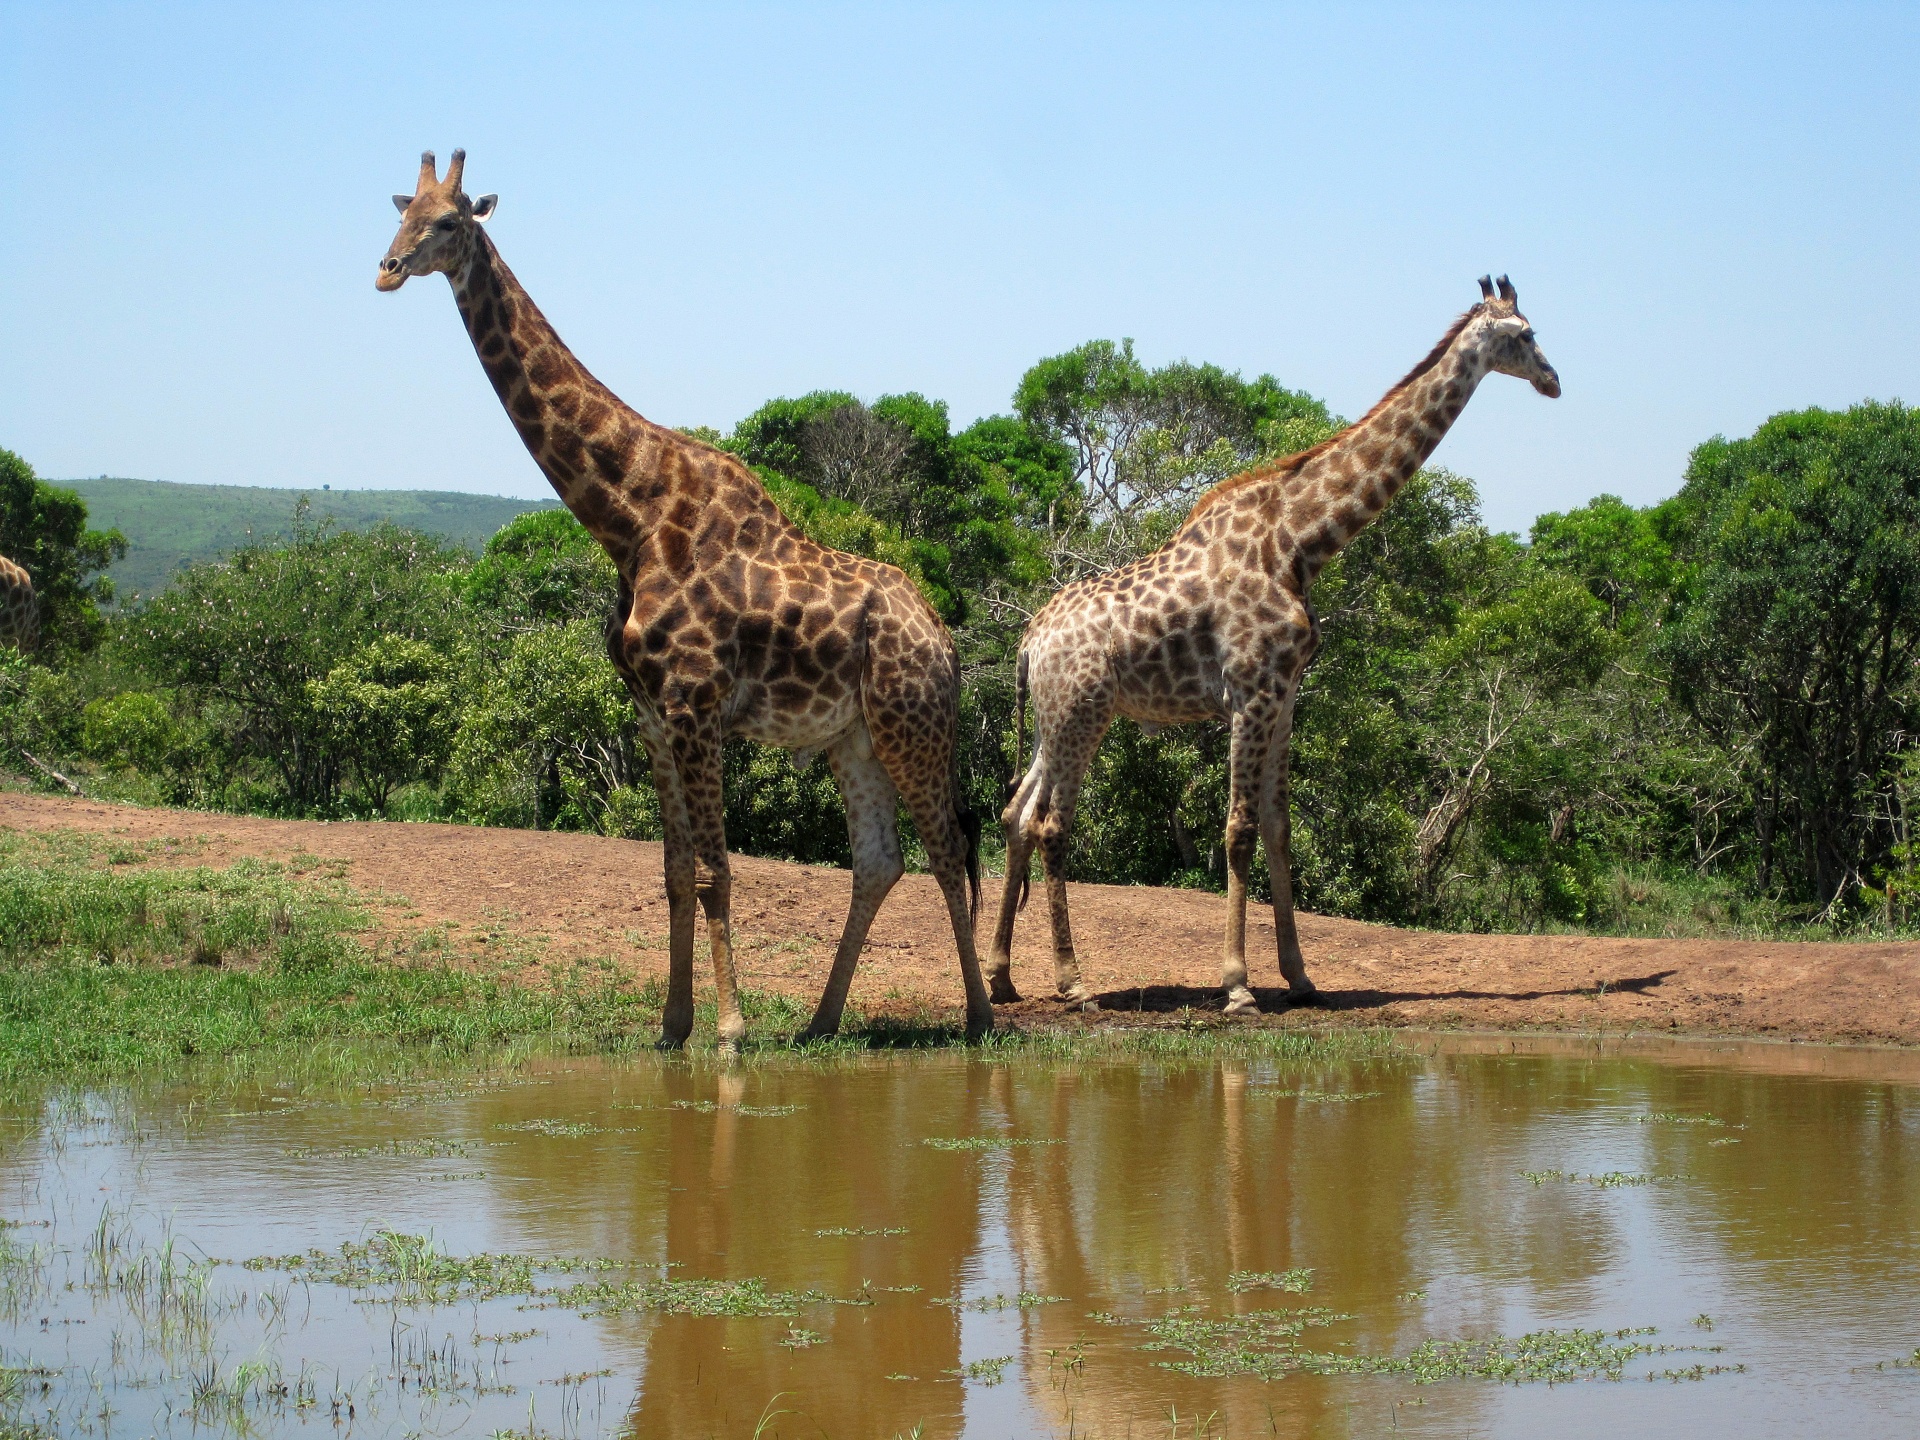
column 444, row 225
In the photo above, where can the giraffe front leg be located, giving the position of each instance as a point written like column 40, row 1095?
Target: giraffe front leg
column 875, row 835
column 697, row 750
column 1252, row 732
column 1276, row 830
column 676, row 1021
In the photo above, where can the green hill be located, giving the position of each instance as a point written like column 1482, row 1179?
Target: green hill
column 169, row 525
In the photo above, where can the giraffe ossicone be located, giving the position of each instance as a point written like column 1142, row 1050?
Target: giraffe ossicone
column 1217, row 625
column 730, row 621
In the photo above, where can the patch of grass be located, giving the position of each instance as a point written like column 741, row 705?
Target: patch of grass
column 109, row 971
column 1297, row 1282
column 714, row 1107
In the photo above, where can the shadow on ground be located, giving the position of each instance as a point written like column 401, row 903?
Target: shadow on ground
column 1165, row 999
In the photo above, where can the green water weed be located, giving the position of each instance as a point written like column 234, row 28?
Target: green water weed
column 748, row 1297
column 989, row 1304
column 982, row 1142
column 987, row 1372
column 413, row 1270
column 1297, row 1282
column 839, row 1231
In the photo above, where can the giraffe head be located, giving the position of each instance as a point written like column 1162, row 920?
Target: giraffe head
column 436, row 225
column 1506, row 339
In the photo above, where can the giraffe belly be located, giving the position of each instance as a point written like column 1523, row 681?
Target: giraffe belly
column 1156, row 695
column 813, row 727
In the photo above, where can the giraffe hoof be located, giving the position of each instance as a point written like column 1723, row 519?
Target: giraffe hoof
column 1240, row 1001
column 1303, row 994
column 668, row 1043
column 1077, row 997
column 979, row 1027
column 1001, row 988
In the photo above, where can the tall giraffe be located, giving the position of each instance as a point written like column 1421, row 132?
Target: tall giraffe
column 19, row 610
column 730, row 622
column 1216, row 625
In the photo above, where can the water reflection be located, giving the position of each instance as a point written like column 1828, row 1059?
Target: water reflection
column 1451, row 1193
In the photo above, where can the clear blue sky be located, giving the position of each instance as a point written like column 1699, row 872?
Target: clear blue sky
column 1711, row 214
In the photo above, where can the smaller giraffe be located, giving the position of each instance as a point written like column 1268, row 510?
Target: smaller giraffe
column 19, row 610
column 1216, row 625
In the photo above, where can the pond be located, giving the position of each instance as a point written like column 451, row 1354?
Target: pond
column 1473, row 1236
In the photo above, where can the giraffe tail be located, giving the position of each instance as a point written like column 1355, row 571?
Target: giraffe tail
column 970, row 827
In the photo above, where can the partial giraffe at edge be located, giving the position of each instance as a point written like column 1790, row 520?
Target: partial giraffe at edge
column 730, row 622
column 19, row 608
column 1217, row 625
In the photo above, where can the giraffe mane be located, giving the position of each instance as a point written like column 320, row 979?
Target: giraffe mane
column 1286, row 464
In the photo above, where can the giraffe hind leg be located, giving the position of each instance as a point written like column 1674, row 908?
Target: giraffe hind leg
column 1014, row 897
column 1253, row 728
column 937, row 818
column 1069, row 747
column 871, row 798
column 1276, row 832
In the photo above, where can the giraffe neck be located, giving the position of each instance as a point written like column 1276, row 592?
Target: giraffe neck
column 1340, row 490
column 613, row 469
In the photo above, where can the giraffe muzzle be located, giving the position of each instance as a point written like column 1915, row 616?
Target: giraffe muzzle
column 393, row 274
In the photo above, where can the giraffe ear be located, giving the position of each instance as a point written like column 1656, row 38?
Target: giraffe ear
column 483, row 207
column 400, row 203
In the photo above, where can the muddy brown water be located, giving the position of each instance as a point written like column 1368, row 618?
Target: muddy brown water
column 1467, row 1188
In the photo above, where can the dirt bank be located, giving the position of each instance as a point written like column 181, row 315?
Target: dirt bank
column 1142, row 949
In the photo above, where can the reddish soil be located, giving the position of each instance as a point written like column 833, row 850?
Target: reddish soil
column 560, row 897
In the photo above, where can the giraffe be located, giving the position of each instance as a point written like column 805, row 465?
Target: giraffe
column 1216, row 624
column 730, row 621
column 19, row 610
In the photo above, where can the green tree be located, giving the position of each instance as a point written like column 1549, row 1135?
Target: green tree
column 243, row 641
column 1145, row 443
column 542, row 568
column 549, row 739
column 44, row 528
column 1795, row 628
column 387, row 710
